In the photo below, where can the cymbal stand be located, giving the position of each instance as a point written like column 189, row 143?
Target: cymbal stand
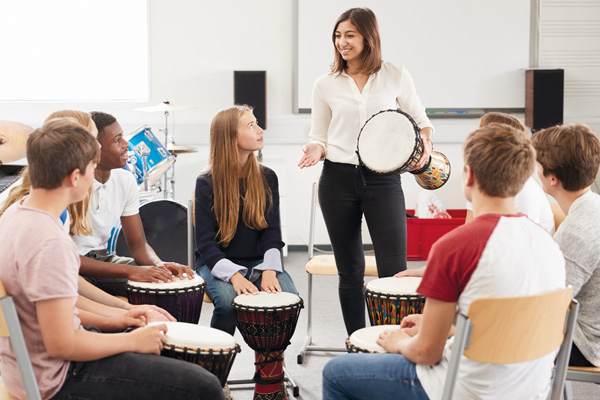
column 145, row 164
column 169, row 139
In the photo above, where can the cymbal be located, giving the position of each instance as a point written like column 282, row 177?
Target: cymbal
column 163, row 107
column 13, row 141
column 175, row 148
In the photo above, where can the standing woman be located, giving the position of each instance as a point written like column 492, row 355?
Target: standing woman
column 359, row 85
column 238, row 235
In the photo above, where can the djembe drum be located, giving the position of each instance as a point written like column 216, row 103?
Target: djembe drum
column 182, row 297
column 390, row 143
column 391, row 299
column 365, row 340
column 212, row 349
column 267, row 322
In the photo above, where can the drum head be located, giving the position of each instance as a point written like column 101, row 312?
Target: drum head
column 178, row 283
column 165, row 226
column 195, row 336
column 400, row 286
column 366, row 338
column 387, row 142
column 267, row 300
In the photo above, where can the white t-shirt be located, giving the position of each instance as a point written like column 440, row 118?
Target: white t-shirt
column 532, row 201
column 117, row 197
column 339, row 109
column 492, row 256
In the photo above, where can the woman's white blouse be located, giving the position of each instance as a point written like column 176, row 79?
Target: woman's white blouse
column 339, row 109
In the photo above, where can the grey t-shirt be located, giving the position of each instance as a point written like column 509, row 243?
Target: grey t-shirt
column 579, row 239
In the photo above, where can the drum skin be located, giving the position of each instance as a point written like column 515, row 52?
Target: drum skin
column 165, row 226
column 365, row 340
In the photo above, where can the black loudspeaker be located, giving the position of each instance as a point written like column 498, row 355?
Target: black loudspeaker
column 250, row 87
column 544, row 98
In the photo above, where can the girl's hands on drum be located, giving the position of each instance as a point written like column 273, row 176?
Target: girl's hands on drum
column 242, row 285
column 269, row 282
column 312, row 154
column 411, row 324
column 390, row 338
column 148, row 340
column 148, row 273
column 179, row 270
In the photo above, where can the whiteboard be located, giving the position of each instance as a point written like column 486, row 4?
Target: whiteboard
column 460, row 53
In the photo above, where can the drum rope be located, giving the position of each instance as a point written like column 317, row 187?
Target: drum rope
column 269, row 358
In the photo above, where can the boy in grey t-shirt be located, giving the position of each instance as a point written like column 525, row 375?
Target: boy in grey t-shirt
column 568, row 159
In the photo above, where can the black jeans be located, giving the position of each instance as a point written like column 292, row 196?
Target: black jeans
column 139, row 376
column 344, row 198
column 577, row 359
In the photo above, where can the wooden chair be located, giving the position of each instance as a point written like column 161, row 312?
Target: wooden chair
column 322, row 265
column 11, row 327
column 580, row 374
column 191, row 262
column 514, row 330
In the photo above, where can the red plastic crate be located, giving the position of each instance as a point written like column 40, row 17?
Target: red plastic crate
column 423, row 233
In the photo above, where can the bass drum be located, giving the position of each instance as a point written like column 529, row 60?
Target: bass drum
column 165, row 226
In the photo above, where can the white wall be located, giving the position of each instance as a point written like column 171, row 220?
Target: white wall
column 195, row 47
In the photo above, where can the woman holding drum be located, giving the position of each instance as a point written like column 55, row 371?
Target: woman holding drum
column 360, row 85
column 238, row 235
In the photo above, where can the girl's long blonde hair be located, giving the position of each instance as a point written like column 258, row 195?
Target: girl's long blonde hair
column 230, row 183
column 80, row 223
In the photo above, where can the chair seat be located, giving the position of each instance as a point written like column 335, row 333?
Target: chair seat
column 207, row 298
column 325, row 265
column 4, row 395
column 585, row 369
column 123, row 298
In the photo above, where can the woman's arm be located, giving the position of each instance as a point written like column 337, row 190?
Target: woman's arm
column 316, row 150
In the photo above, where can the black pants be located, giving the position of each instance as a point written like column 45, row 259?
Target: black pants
column 577, row 359
column 344, row 198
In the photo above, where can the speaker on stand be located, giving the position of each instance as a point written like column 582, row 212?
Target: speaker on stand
column 544, row 98
column 250, row 88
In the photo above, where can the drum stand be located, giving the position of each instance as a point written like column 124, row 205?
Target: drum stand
column 287, row 381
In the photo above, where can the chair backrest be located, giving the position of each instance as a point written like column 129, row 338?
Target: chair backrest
column 514, row 330
column 11, row 327
column 190, row 232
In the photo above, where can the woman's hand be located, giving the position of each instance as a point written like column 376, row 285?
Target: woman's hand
column 312, row 154
column 269, row 282
column 427, row 149
column 148, row 340
column 242, row 285
column 154, row 313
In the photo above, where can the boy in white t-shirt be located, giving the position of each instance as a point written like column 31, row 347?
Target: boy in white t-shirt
column 39, row 270
column 501, row 253
column 568, row 158
column 115, row 197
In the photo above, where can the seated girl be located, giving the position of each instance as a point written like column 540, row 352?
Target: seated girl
column 238, row 235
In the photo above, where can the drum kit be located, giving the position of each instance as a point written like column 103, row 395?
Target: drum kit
column 150, row 160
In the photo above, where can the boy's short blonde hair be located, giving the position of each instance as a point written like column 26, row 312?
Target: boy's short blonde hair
column 501, row 158
column 570, row 152
column 57, row 149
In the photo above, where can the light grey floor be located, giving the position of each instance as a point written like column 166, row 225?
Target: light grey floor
column 328, row 330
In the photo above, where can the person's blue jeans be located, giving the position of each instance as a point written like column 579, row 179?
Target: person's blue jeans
column 371, row 376
column 139, row 376
column 222, row 294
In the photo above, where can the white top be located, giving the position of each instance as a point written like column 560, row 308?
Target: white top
column 116, row 198
column 532, row 201
column 196, row 337
column 577, row 237
column 264, row 299
column 339, row 109
column 492, row 256
column 405, row 285
column 178, row 283
column 366, row 338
